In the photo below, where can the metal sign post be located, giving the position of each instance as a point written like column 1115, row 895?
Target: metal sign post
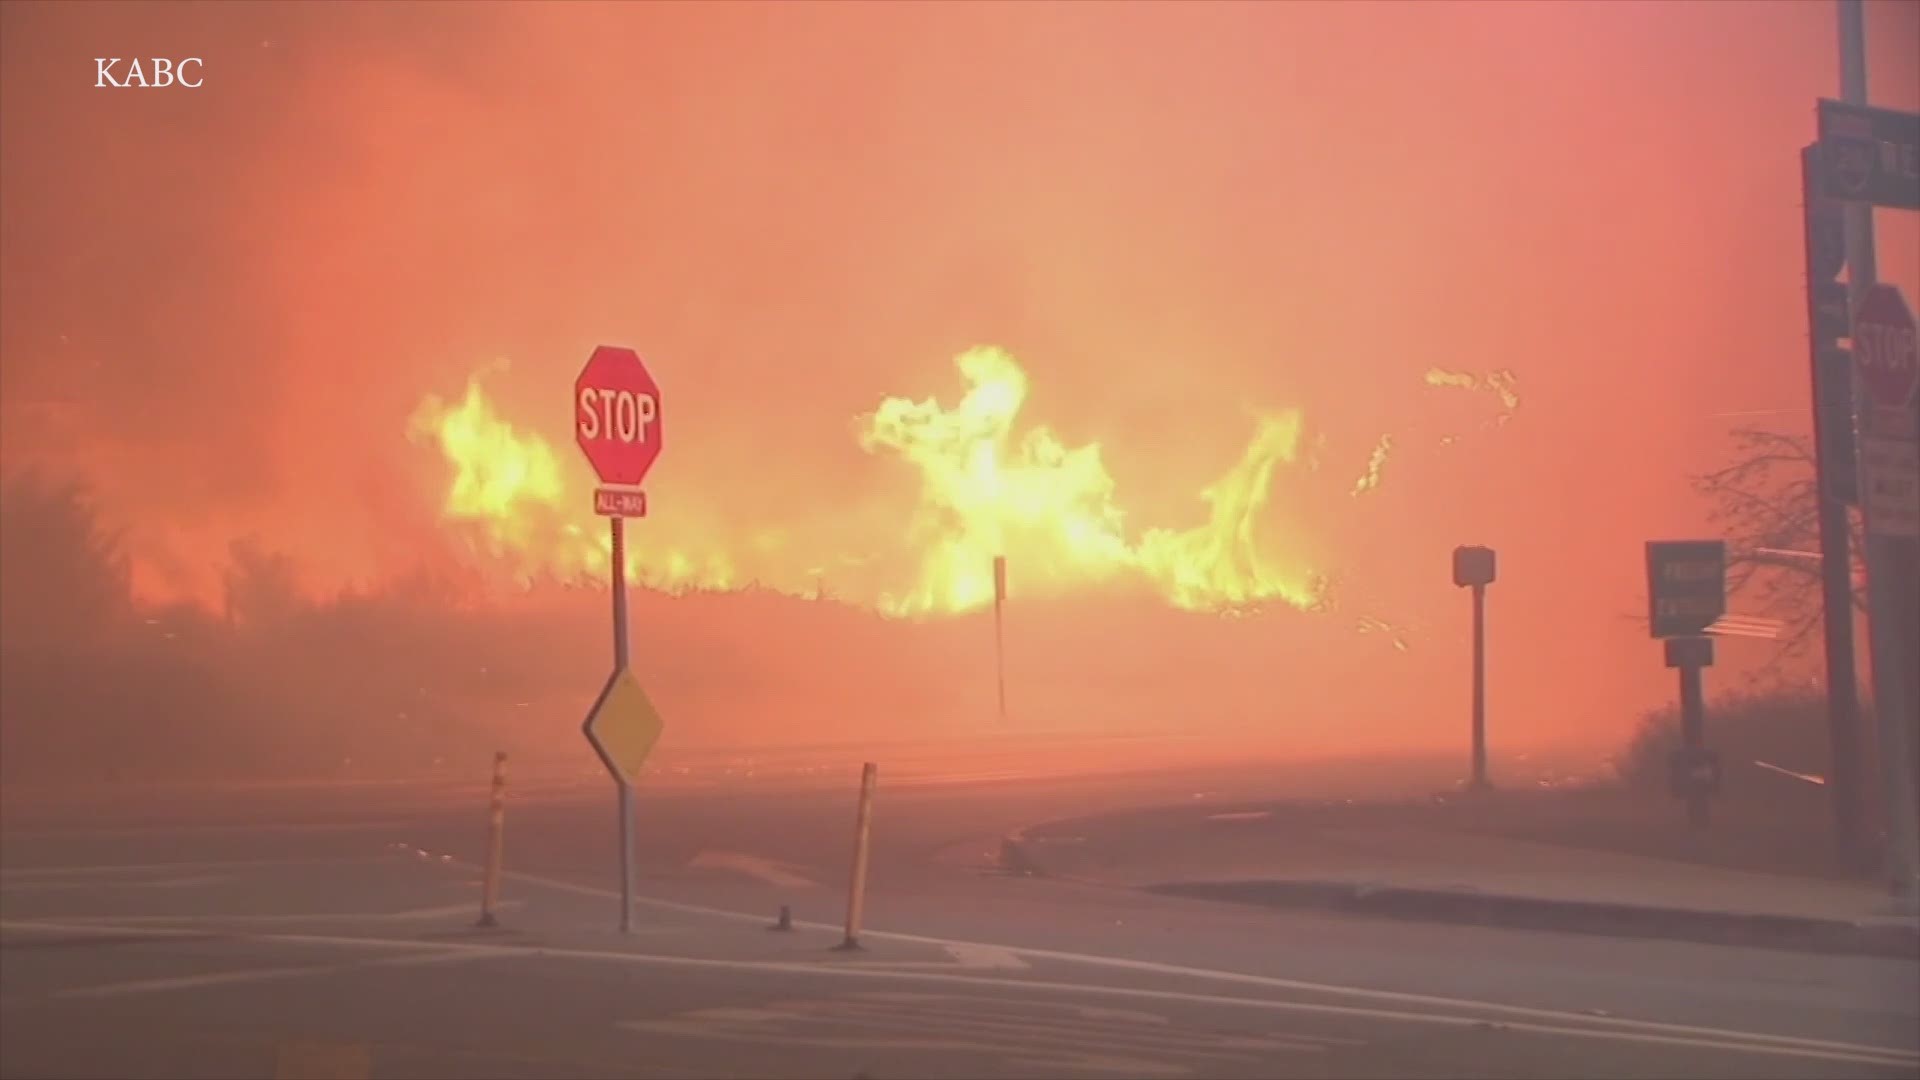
column 1474, row 567
column 1686, row 595
column 617, row 422
column 1836, row 481
column 1695, row 769
column 617, row 529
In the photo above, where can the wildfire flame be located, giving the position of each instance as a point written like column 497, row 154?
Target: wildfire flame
column 1499, row 383
column 1375, row 462
column 509, row 498
column 501, row 477
column 986, row 490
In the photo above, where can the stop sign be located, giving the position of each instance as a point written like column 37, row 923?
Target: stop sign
column 1884, row 347
column 616, row 415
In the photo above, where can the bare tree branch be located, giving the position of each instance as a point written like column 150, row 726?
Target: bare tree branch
column 1766, row 503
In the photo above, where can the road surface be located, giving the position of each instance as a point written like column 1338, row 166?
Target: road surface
column 329, row 933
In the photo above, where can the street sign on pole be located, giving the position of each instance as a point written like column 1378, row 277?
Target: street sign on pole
column 1695, row 769
column 619, row 502
column 623, row 726
column 1869, row 155
column 1473, row 567
column 617, row 419
column 1890, row 486
column 1686, row 586
column 617, row 422
column 1837, row 470
column 1884, row 347
column 1893, row 562
column 1884, row 353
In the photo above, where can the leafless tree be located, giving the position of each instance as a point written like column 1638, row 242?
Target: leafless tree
column 1766, row 504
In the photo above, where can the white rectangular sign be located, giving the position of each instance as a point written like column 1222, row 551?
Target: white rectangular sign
column 1890, row 485
column 619, row 502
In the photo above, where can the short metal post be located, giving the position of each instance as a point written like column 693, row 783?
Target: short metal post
column 1693, row 733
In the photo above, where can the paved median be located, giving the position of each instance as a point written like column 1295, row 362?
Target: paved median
column 1403, row 861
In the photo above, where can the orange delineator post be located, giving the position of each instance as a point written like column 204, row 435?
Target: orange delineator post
column 857, row 888
column 496, row 823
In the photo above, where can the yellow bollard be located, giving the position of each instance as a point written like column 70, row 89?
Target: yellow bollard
column 496, row 822
column 857, row 890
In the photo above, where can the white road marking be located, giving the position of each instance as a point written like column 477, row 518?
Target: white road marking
column 986, row 956
column 1263, row 981
column 1576, row 1025
column 34, row 872
column 59, row 884
column 449, row 911
column 1051, row 1037
column 252, row 975
column 264, row 827
column 967, row 957
column 767, row 870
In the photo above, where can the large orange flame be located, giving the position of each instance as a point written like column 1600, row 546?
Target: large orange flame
column 1049, row 507
column 987, row 489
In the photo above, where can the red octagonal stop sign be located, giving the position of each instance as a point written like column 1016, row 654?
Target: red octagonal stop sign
column 616, row 415
column 1884, row 346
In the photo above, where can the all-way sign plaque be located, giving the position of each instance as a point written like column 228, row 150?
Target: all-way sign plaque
column 619, row 502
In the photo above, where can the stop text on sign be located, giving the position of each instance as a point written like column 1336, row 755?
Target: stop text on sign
column 619, row 415
column 1884, row 347
column 618, row 419
column 1885, row 351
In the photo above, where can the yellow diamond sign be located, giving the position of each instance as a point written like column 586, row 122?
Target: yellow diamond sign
column 623, row 726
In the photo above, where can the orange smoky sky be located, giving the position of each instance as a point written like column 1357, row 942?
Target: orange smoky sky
column 222, row 306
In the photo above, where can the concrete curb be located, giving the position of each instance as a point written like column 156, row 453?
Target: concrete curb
column 1893, row 938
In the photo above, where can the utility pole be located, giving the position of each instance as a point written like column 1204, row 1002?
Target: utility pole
column 1891, row 569
column 1837, row 486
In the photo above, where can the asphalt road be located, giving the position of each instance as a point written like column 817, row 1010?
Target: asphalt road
column 328, row 933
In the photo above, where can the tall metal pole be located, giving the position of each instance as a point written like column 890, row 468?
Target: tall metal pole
column 1480, row 686
column 1832, row 373
column 617, row 525
column 1890, row 564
